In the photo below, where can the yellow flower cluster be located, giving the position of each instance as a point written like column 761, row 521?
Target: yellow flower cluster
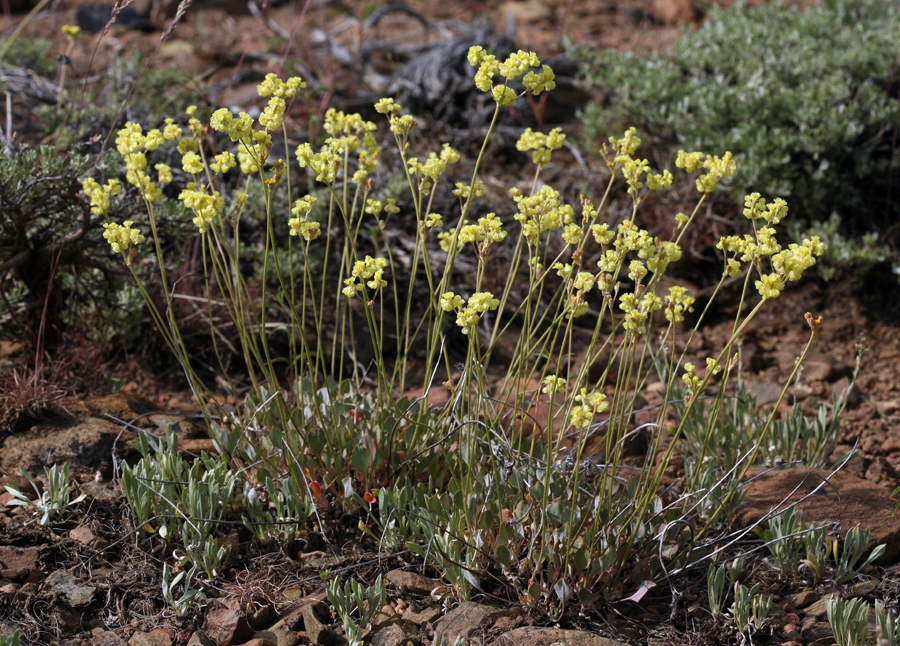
column 692, row 381
column 677, row 303
column 324, row 164
column 468, row 314
column 541, row 144
column 371, row 270
column 432, row 168
column 637, row 310
column 488, row 230
column 300, row 225
column 133, row 144
column 773, row 212
column 100, row 194
column 589, row 405
column 72, row 32
column 541, row 212
column 122, row 237
column 206, row 206
column 512, row 68
column 252, row 156
column 553, row 384
column 273, row 116
column 238, row 129
column 274, row 86
column 788, row 264
column 464, row 191
column 716, row 168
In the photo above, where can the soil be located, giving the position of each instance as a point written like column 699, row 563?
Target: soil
column 84, row 580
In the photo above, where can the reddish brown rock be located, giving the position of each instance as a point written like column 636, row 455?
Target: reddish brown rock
column 412, row 582
column 86, row 536
column 392, row 635
column 802, row 599
column 387, row 616
column 150, row 639
column 465, row 620
column 845, row 497
column 227, row 625
column 200, row 638
column 819, row 633
column 424, row 616
column 317, row 631
column 19, row 558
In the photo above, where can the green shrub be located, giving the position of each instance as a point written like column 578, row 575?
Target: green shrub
column 806, row 100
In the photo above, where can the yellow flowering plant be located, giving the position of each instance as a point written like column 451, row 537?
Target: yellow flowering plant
column 322, row 415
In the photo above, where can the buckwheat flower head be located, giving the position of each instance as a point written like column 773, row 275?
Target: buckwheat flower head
column 753, row 206
column 307, row 230
column 776, row 211
column 584, row 281
column 401, row 126
column 100, row 195
column 165, row 173
column 689, row 161
column 273, row 116
column 463, row 191
column 678, row 302
column 72, row 32
column 609, row 261
column 483, row 302
column 224, row 162
column 564, row 271
column 192, row 163
column 712, row 366
column 602, row 234
column 273, row 86
column 122, row 237
column 816, row 246
column 770, row 285
column 450, row 302
column 664, row 253
column 448, row 154
column 573, row 234
column 172, row 131
column 596, row 400
column 467, row 319
column 503, row 94
column 657, row 182
column 433, row 220
column 581, row 416
column 492, row 228
column 553, row 384
column 187, row 144
column 221, row 119
column 691, row 380
column 537, row 82
column 717, row 168
column 650, row 302
column 445, row 240
column 386, row 106
column 517, row 64
column 130, row 138
column 153, row 140
column 627, row 144
column 732, row 268
column 303, row 206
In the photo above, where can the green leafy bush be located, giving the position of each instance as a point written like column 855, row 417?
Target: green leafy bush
column 806, row 100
